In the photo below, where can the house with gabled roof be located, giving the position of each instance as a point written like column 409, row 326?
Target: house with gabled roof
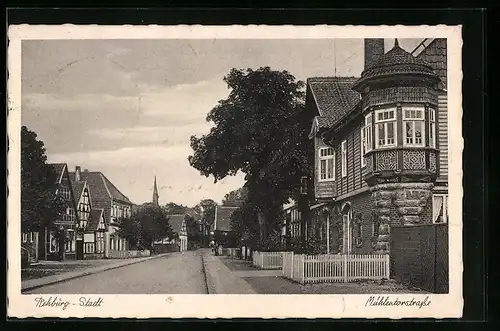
column 114, row 204
column 381, row 158
column 222, row 224
column 58, row 241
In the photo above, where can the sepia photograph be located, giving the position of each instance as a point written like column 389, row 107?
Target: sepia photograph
column 257, row 165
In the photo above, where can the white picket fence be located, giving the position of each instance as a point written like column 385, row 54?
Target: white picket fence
column 334, row 268
column 267, row 260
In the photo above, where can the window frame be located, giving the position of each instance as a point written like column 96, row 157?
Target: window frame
column 368, row 132
column 413, row 121
column 343, row 156
column 444, row 208
column 329, row 158
column 363, row 147
column 432, row 127
column 385, row 122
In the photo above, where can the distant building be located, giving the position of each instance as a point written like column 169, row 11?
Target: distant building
column 179, row 240
column 222, row 224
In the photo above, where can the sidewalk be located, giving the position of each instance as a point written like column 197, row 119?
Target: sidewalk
column 271, row 282
column 221, row 280
column 95, row 266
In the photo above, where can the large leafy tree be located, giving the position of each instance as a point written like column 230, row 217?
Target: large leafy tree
column 207, row 210
column 236, row 197
column 40, row 205
column 147, row 224
column 261, row 130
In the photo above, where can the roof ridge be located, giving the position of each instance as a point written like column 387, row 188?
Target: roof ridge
column 331, row 77
column 105, row 185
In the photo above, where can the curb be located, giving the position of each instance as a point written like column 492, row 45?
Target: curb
column 209, row 281
column 87, row 273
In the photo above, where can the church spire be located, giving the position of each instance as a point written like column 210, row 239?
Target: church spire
column 155, row 194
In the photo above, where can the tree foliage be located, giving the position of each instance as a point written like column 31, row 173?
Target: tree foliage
column 173, row 208
column 207, row 209
column 146, row 224
column 236, row 197
column 40, row 205
column 261, row 130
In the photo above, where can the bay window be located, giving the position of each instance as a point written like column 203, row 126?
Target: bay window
column 326, row 164
column 432, row 127
column 344, row 158
column 414, row 123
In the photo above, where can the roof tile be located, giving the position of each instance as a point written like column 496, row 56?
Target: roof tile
column 334, row 97
column 223, row 217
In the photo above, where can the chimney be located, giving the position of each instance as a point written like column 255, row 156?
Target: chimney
column 78, row 169
column 374, row 49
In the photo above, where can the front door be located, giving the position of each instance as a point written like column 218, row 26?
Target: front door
column 79, row 246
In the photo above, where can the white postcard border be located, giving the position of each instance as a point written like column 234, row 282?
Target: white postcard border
column 232, row 306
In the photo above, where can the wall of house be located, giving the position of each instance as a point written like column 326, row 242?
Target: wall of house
column 442, row 135
column 436, row 55
column 354, row 179
column 360, row 203
column 322, row 189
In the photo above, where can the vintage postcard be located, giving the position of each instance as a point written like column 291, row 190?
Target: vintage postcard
column 235, row 171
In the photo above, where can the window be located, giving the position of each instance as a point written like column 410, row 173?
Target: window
column 70, row 241
column 99, row 242
column 64, row 192
column 326, row 164
column 344, row 158
column 440, row 208
column 89, row 248
column 358, row 233
column 413, row 123
column 25, row 237
column 432, row 127
column 368, row 132
column 53, row 242
column 385, row 128
column 363, row 147
column 32, row 237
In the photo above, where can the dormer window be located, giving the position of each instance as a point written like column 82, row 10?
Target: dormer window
column 385, row 128
column 326, row 164
column 414, row 124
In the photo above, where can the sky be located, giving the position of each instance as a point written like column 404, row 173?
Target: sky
column 127, row 107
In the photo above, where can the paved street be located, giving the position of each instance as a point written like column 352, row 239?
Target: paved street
column 177, row 273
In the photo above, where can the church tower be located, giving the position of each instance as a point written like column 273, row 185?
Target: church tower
column 155, row 193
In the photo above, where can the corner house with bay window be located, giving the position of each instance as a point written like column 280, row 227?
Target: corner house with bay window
column 381, row 151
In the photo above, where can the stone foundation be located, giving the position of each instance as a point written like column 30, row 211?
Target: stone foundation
column 409, row 199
